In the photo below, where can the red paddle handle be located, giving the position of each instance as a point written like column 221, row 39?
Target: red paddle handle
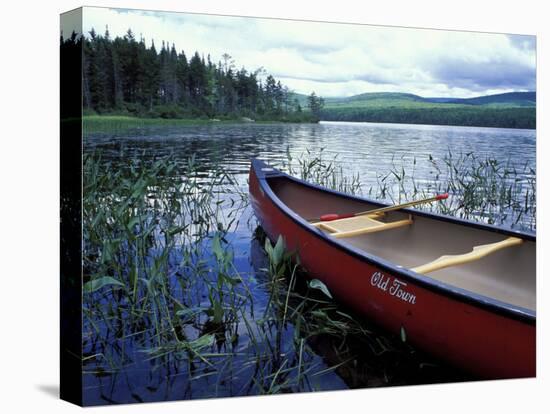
column 330, row 217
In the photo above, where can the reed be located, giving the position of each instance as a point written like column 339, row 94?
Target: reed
column 320, row 169
column 145, row 231
column 161, row 286
column 164, row 293
column 481, row 189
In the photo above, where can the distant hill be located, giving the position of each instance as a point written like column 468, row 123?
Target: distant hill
column 514, row 99
column 302, row 99
column 376, row 96
column 507, row 110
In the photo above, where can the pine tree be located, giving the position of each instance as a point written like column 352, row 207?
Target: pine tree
column 315, row 105
column 182, row 77
column 125, row 74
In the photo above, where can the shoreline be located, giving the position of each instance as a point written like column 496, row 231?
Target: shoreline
column 110, row 123
column 419, row 125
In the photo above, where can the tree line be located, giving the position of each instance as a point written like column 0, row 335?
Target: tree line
column 124, row 75
column 518, row 117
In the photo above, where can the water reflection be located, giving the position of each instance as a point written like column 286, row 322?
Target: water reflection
column 362, row 147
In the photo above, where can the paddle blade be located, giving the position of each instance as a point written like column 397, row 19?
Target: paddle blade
column 330, row 217
column 442, row 196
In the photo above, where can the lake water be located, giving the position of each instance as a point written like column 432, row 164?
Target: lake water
column 370, row 150
column 366, row 148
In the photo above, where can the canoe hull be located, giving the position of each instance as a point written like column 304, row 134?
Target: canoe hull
column 486, row 343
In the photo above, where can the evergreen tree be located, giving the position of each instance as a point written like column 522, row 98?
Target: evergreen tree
column 315, row 104
column 123, row 74
column 182, row 77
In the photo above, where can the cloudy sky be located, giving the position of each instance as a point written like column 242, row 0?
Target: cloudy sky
column 335, row 59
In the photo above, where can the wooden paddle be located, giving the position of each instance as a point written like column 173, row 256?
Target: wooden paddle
column 332, row 216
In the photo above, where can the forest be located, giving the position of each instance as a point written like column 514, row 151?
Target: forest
column 480, row 116
column 123, row 76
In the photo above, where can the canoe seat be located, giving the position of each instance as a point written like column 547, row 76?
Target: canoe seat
column 477, row 253
column 355, row 226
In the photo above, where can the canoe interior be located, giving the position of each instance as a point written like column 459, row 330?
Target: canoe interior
column 508, row 275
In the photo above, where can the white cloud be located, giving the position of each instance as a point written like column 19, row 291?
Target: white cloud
column 337, row 59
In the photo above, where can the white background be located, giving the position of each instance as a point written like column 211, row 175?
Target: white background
column 29, row 167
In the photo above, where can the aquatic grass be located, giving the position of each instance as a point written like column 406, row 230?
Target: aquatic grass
column 480, row 188
column 319, row 321
column 136, row 227
column 164, row 294
column 325, row 171
column 162, row 283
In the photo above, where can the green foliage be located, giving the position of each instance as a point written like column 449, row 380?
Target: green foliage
column 469, row 116
column 514, row 99
column 390, row 99
column 122, row 123
column 98, row 283
column 315, row 104
column 123, row 76
column 279, row 260
column 174, row 296
column 482, row 189
column 325, row 171
column 161, row 283
column 406, row 108
column 168, row 112
column 317, row 284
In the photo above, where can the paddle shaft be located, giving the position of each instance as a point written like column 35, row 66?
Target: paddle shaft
column 331, row 217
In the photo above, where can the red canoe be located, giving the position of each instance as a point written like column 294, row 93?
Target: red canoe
column 460, row 290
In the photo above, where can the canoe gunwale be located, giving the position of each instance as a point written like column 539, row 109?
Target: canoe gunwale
column 506, row 309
